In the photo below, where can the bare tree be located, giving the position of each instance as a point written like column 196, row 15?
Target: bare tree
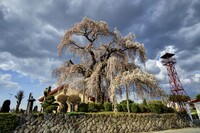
column 19, row 97
column 107, row 61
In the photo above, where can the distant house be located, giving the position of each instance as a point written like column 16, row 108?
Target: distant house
column 65, row 89
column 196, row 103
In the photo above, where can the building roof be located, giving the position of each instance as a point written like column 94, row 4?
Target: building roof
column 195, row 100
column 52, row 92
column 41, row 99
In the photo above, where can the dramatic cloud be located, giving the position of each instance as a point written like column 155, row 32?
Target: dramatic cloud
column 189, row 79
column 31, row 30
column 35, row 68
column 5, row 82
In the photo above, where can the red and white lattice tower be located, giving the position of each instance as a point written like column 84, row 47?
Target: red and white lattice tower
column 174, row 81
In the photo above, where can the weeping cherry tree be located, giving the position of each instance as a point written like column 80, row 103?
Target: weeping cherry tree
column 106, row 62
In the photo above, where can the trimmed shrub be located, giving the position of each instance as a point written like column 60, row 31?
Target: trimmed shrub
column 159, row 107
column 134, row 108
column 125, row 102
column 124, row 107
column 50, row 99
column 92, row 107
column 147, row 109
column 98, row 106
column 21, row 111
column 156, row 108
column 6, row 106
column 170, row 110
column 119, row 107
column 35, row 109
column 8, row 122
column 74, row 100
column 177, row 98
column 62, row 98
column 49, row 106
column 107, row 106
column 198, row 96
column 83, row 107
column 142, row 108
column 144, row 102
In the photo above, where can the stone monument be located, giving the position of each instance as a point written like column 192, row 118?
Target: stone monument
column 30, row 103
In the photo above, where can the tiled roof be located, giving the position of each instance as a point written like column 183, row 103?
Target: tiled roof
column 52, row 92
column 41, row 99
column 195, row 100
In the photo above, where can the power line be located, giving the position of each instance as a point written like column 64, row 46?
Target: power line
column 10, row 95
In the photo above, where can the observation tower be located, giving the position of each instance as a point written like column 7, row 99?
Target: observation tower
column 177, row 92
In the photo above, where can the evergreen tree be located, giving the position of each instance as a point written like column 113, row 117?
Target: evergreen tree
column 49, row 104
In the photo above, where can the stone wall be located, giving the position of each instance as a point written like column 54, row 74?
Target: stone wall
column 99, row 123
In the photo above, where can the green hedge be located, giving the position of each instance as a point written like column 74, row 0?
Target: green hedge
column 143, row 108
column 119, row 108
column 99, row 106
column 124, row 107
column 154, row 106
column 158, row 107
column 75, row 113
column 107, row 106
column 94, row 107
column 8, row 122
column 134, row 108
column 125, row 102
column 83, row 107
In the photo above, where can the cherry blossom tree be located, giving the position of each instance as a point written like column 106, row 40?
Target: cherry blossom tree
column 107, row 62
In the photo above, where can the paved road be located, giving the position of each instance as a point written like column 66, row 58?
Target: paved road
column 184, row 130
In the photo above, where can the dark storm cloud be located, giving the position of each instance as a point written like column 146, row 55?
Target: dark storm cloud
column 154, row 23
column 121, row 14
column 24, row 36
column 56, row 14
column 31, row 30
column 189, row 60
column 165, row 21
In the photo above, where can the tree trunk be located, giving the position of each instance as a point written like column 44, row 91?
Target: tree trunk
column 17, row 107
column 72, row 108
column 115, row 104
column 106, row 90
column 127, row 99
column 100, row 96
column 84, row 95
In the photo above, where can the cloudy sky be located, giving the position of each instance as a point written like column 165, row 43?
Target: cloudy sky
column 31, row 30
